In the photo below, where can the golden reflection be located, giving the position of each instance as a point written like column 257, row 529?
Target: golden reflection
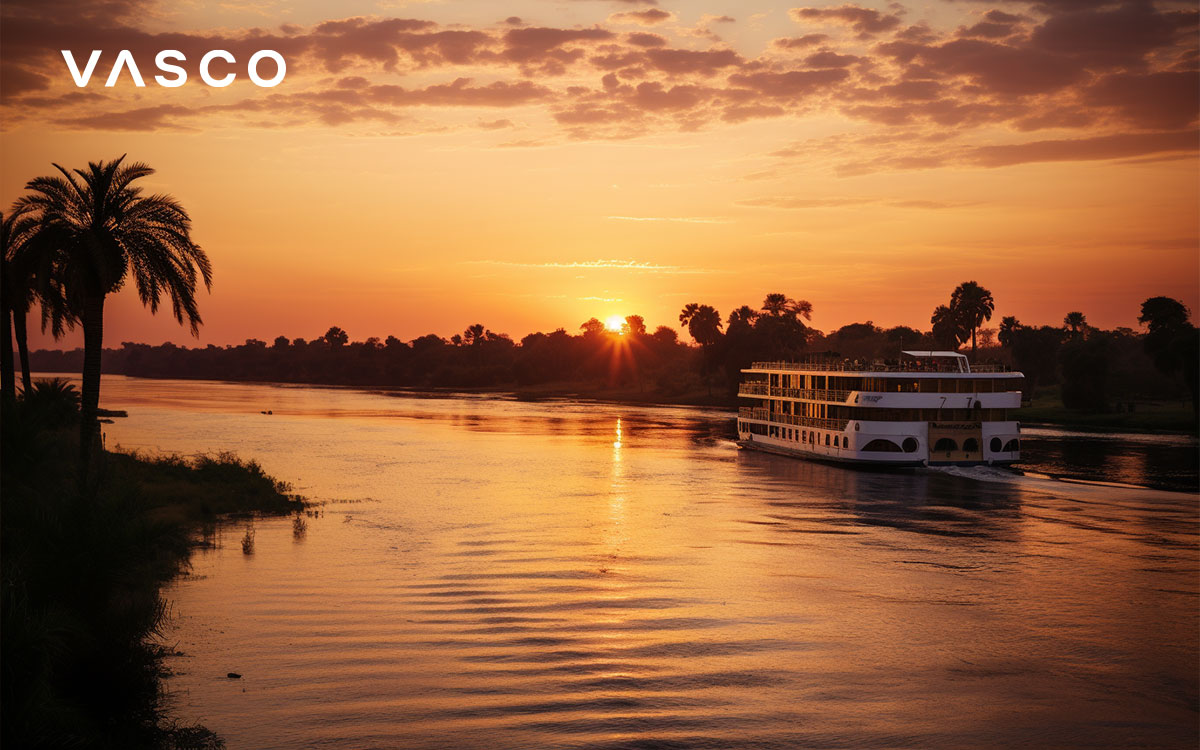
column 615, row 535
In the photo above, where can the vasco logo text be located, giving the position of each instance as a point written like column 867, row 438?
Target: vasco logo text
column 177, row 76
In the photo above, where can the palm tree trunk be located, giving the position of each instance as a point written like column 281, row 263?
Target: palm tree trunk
column 93, row 346
column 8, row 379
column 972, row 344
column 23, row 349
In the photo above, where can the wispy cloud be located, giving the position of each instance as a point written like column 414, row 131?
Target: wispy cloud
column 677, row 219
column 599, row 264
column 802, row 203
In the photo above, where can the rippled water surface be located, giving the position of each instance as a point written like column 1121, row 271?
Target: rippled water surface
column 497, row 574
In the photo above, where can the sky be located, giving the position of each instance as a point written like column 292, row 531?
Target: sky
column 530, row 164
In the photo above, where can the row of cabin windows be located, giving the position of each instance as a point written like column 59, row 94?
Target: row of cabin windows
column 890, row 385
column 812, row 437
column 835, row 411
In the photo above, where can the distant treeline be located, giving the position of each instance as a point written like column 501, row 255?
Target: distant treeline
column 1094, row 367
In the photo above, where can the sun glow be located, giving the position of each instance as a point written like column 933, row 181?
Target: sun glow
column 614, row 323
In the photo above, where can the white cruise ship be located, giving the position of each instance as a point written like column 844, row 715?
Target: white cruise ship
column 932, row 408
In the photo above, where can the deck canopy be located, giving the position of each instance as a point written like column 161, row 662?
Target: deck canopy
column 963, row 364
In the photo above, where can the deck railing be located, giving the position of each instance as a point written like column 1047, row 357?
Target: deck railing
column 808, row 394
column 819, row 423
column 858, row 366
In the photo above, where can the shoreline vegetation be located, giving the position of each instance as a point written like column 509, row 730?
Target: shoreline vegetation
column 83, row 575
column 1075, row 375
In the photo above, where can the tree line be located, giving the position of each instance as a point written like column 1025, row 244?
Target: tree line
column 1095, row 369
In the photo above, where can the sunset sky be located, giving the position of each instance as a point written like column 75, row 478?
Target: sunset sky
column 531, row 164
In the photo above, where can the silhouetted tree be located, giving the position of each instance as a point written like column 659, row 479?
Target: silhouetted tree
column 972, row 305
column 948, row 330
column 1008, row 327
column 635, row 325
column 336, row 338
column 776, row 304
column 1075, row 324
column 1173, row 342
column 474, row 335
column 592, row 326
column 703, row 323
column 102, row 229
column 742, row 316
column 15, row 287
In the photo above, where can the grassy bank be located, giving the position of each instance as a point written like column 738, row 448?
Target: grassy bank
column 83, row 576
column 1124, row 416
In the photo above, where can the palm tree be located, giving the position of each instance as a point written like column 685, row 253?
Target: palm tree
column 27, row 276
column 101, row 229
column 947, row 327
column 1075, row 323
column 744, row 315
column 801, row 308
column 473, row 335
column 703, row 322
column 1008, row 328
column 776, row 304
column 13, row 232
column 972, row 305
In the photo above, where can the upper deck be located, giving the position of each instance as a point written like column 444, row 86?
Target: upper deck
column 918, row 364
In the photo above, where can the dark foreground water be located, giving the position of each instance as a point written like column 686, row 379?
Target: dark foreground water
column 496, row 574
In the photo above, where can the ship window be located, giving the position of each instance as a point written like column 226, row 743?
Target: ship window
column 1013, row 445
column 845, row 442
column 945, row 444
column 879, row 445
column 910, row 445
column 804, row 434
column 970, row 445
column 827, row 439
column 994, row 445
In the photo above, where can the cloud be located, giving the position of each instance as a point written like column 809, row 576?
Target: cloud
column 799, row 42
column 846, row 202
column 674, row 219
column 599, row 264
column 648, row 17
column 1086, row 149
column 866, row 22
column 1094, row 70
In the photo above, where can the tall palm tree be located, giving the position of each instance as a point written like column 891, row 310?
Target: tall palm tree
column 28, row 275
column 972, row 305
column 13, row 287
column 102, row 229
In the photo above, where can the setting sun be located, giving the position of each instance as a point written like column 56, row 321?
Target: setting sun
column 614, row 323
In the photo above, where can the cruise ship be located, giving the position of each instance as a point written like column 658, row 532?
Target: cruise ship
column 931, row 408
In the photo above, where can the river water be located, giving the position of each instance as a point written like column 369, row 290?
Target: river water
column 489, row 573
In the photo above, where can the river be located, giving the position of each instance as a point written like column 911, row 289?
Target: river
column 490, row 573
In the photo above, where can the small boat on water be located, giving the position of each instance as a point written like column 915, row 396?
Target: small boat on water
column 929, row 408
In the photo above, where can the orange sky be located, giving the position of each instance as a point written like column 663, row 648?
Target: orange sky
column 428, row 165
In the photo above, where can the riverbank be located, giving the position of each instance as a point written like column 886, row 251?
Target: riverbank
column 1125, row 416
column 83, row 578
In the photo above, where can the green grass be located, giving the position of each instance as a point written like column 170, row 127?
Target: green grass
column 1147, row 416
